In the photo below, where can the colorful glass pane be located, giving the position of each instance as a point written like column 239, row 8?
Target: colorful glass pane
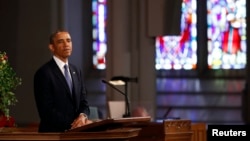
column 99, row 12
column 226, row 21
column 179, row 52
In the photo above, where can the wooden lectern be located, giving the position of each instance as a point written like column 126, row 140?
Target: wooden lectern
column 168, row 130
column 124, row 129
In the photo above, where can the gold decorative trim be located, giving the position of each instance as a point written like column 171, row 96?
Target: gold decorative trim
column 177, row 125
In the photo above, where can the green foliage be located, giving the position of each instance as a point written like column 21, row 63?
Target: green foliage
column 8, row 83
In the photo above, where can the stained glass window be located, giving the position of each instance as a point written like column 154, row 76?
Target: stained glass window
column 179, row 52
column 226, row 33
column 226, row 21
column 99, row 33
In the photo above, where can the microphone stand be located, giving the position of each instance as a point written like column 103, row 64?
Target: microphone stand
column 127, row 110
column 127, row 113
column 167, row 112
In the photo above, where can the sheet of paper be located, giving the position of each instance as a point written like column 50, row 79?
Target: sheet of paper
column 116, row 109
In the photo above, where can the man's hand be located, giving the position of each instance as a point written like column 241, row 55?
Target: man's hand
column 81, row 120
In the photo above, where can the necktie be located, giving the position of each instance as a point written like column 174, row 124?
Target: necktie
column 67, row 77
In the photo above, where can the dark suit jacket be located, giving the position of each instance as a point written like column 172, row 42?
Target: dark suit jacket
column 56, row 106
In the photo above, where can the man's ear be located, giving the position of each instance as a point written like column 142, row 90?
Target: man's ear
column 51, row 48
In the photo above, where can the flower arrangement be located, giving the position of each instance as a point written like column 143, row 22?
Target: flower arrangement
column 8, row 83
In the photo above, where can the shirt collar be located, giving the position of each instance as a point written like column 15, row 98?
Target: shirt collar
column 59, row 62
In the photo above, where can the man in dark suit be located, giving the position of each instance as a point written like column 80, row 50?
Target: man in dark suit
column 61, row 106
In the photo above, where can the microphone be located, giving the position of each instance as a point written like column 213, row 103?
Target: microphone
column 127, row 111
column 125, row 79
column 111, row 85
column 167, row 112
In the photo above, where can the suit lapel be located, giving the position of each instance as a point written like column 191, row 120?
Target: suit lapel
column 57, row 72
column 75, row 85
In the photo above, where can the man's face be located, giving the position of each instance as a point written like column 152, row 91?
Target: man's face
column 62, row 45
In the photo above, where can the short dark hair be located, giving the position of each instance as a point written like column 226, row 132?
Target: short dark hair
column 52, row 36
